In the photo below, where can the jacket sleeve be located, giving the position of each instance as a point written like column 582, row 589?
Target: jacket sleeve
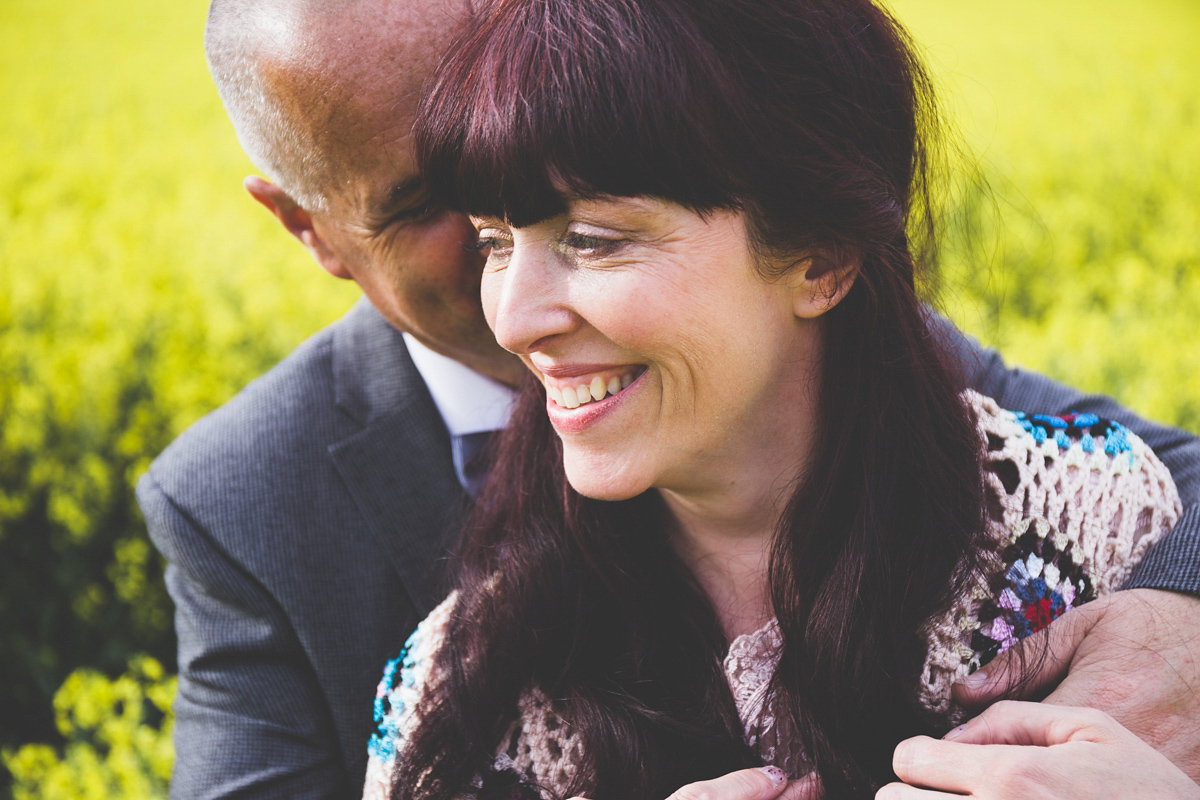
column 251, row 721
column 1174, row 562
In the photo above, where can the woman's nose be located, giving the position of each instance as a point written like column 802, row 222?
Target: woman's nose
column 525, row 301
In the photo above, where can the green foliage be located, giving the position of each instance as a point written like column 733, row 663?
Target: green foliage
column 1084, row 119
column 139, row 288
column 118, row 735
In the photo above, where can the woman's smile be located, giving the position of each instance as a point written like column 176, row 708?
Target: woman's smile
column 586, row 395
column 573, row 386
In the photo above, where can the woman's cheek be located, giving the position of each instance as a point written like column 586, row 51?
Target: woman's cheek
column 489, row 295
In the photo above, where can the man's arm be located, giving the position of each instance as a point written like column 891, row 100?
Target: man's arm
column 1134, row 654
column 251, row 720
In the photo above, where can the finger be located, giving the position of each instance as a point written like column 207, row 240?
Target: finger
column 939, row 764
column 760, row 783
column 1018, row 723
column 1032, row 667
column 901, row 791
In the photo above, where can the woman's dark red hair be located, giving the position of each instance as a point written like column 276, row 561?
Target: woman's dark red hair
column 811, row 116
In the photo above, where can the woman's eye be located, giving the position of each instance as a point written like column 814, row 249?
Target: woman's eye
column 485, row 242
column 590, row 245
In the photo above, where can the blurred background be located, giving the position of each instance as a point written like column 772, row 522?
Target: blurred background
column 140, row 287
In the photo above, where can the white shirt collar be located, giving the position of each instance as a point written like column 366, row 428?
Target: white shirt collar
column 468, row 402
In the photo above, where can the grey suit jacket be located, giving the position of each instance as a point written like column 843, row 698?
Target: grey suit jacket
column 302, row 522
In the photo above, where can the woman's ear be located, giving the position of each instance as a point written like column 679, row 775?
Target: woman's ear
column 820, row 282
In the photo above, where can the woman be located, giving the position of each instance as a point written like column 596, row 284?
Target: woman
column 746, row 514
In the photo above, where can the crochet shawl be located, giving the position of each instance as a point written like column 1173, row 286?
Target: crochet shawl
column 1074, row 502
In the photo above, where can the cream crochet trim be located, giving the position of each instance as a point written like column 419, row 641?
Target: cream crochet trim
column 425, row 641
column 1111, row 509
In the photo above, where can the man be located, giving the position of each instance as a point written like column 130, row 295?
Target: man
column 303, row 519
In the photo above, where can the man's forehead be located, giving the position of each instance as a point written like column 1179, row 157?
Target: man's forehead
column 358, row 51
column 398, row 36
column 349, row 76
column 368, row 146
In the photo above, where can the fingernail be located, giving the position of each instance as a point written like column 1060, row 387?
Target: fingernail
column 776, row 775
column 954, row 734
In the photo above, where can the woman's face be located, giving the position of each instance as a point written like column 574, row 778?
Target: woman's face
column 668, row 360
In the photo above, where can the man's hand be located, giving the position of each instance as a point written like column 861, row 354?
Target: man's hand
column 762, row 783
column 1133, row 654
column 1035, row 750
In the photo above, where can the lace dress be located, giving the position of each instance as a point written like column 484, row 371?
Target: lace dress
column 1074, row 502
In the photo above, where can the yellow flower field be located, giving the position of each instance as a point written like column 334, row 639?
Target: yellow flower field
column 140, row 287
column 1085, row 118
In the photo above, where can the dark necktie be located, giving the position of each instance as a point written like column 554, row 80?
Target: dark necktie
column 471, row 460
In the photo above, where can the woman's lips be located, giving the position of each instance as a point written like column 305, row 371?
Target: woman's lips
column 577, row 400
column 580, row 390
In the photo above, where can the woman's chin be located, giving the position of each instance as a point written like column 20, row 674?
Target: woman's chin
column 602, row 481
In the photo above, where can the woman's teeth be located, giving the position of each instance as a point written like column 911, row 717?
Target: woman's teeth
column 588, row 392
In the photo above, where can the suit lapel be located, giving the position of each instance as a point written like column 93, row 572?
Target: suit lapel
column 398, row 466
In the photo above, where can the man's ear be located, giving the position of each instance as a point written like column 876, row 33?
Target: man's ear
column 298, row 222
column 821, row 281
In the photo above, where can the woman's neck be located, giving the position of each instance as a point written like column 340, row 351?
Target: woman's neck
column 723, row 533
column 731, row 568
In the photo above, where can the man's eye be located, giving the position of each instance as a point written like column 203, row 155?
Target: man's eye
column 417, row 212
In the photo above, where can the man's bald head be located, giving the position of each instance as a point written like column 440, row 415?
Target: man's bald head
column 296, row 75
